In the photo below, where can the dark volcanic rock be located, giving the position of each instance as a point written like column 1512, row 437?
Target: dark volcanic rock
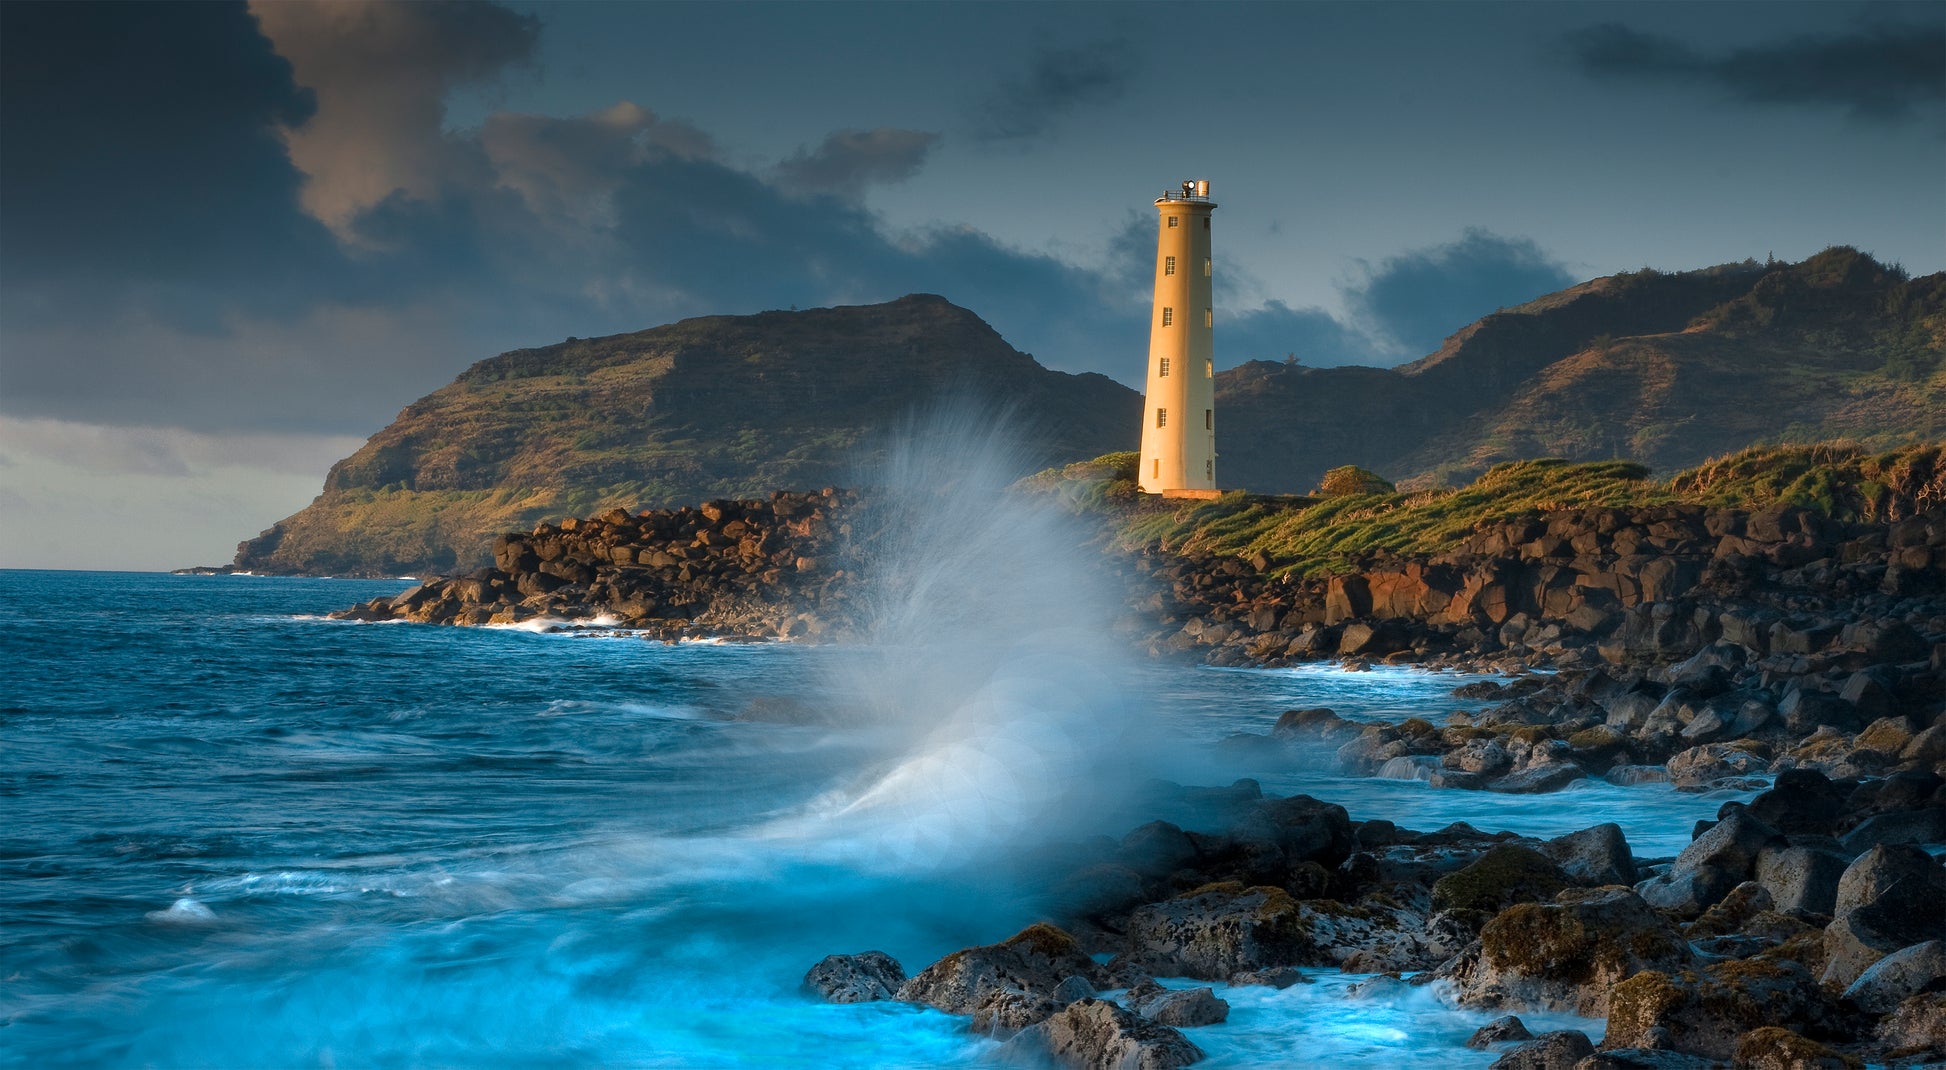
column 861, row 978
column 1708, row 1012
column 1092, row 1034
column 1024, row 971
column 1565, row 955
column 1219, row 931
column 1706, row 870
column 1560, row 1050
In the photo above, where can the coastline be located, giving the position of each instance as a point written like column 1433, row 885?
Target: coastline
column 1774, row 651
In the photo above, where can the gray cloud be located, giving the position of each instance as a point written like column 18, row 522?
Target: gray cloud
column 380, row 73
column 220, row 303
column 1409, row 303
column 1879, row 72
column 1057, row 81
column 850, row 160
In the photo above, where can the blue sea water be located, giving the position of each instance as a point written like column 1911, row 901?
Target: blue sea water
column 236, row 834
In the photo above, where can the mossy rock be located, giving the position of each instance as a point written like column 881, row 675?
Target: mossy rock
column 1507, row 874
column 1600, row 739
column 1776, row 1048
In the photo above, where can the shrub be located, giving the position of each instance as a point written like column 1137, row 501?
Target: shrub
column 1349, row 479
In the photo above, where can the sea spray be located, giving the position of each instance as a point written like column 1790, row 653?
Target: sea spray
column 988, row 658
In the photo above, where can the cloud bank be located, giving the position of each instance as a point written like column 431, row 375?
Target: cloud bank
column 255, row 220
column 1883, row 72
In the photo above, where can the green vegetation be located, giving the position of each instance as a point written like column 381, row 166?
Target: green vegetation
column 1349, row 480
column 1325, row 535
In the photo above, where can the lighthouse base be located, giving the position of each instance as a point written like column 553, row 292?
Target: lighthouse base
column 1191, row 492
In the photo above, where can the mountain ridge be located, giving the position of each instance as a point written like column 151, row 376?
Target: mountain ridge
column 1667, row 369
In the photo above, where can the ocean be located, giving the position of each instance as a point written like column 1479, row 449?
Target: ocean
column 234, row 833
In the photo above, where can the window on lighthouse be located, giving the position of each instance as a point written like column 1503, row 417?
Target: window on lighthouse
column 1163, row 372
column 1206, row 267
column 1209, row 419
column 1168, row 316
column 1207, row 318
column 1209, row 369
column 1162, row 417
column 1172, row 221
column 1168, row 265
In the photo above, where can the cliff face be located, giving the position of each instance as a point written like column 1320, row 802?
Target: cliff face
column 718, row 407
column 1665, row 369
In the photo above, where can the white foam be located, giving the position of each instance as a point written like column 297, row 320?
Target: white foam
column 184, row 911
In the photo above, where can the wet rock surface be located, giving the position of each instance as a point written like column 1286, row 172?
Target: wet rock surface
column 1773, row 651
column 1097, row 1035
column 861, row 978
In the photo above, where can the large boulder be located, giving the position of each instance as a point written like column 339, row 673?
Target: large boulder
column 861, row 978
column 1774, row 1047
column 1565, row 955
column 1185, row 1008
column 1708, row 1012
column 1801, row 879
column 1593, row 856
column 1506, row 1029
column 1700, row 768
column 1560, row 1050
column 1373, row 935
column 1093, row 1034
column 1219, row 930
column 1800, row 801
column 1712, row 864
column 1916, row 1029
column 1899, row 976
column 1507, row 874
column 1014, row 980
column 1305, row 829
column 1889, row 898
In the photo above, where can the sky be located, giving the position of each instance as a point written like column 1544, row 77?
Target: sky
column 236, row 239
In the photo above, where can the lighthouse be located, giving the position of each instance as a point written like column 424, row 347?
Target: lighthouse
column 1179, row 405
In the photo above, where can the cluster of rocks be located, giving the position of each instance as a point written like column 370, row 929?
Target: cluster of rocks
column 1768, row 941
column 775, row 567
column 1700, row 733
column 1572, row 587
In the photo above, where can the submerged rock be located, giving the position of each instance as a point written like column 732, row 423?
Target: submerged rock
column 1559, row 1050
column 1505, row 1029
column 1094, row 1034
column 1010, row 984
column 861, row 978
column 1185, row 1007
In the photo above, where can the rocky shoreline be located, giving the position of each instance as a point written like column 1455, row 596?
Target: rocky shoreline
column 1712, row 648
column 1795, row 931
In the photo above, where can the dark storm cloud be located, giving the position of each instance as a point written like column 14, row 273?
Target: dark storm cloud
column 850, row 160
column 1057, row 81
column 161, row 267
column 1416, row 299
column 1880, row 72
column 141, row 147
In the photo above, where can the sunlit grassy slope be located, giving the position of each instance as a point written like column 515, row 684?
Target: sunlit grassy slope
column 1324, row 534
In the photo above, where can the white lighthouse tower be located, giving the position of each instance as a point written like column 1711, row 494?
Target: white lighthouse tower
column 1179, row 407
